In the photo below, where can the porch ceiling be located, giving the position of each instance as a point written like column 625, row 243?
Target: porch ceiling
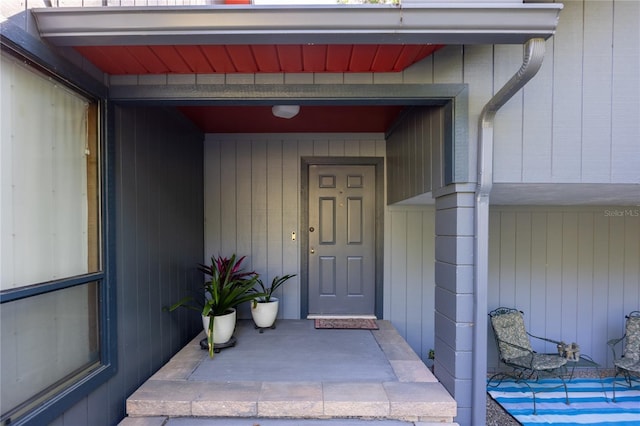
column 227, row 39
column 311, row 119
column 254, row 58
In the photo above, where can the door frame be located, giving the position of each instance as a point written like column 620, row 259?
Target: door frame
column 378, row 163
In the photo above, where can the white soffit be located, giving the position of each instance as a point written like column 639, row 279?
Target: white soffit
column 566, row 194
column 413, row 23
column 553, row 194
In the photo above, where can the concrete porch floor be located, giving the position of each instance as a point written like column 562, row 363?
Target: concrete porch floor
column 294, row 374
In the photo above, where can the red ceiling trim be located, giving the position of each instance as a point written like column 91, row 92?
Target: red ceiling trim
column 408, row 55
column 386, row 57
column 429, row 49
column 290, row 57
column 196, row 60
column 187, row 59
column 172, row 58
column 266, row 57
column 362, row 57
column 219, row 59
column 314, row 58
column 133, row 63
column 338, row 57
column 242, row 58
column 146, row 56
column 101, row 58
column 259, row 119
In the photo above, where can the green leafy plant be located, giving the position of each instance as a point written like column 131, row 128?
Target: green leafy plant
column 264, row 293
column 228, row 286
column 432, row 358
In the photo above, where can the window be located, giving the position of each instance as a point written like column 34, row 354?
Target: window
column 52, row 324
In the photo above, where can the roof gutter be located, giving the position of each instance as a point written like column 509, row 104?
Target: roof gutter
column 534, row 51
column 414, row 23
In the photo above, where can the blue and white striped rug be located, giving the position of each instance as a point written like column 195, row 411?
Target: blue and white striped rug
column 588, row 404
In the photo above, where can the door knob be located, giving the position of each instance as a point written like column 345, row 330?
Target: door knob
column 313, row 250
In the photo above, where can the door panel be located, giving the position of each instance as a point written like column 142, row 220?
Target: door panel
column 327, row 220
column 341, row 240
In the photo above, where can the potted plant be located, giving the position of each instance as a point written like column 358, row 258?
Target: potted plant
column 264, row 308
column 228, row 286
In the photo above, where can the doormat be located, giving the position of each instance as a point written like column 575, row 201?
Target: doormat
column 350, row 323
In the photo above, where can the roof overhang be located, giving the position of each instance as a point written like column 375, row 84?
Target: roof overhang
column 421, row 23
column 181, row 39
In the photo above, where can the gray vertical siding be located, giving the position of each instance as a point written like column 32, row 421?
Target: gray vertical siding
column 252, row 198
column 409, row 274
column 159, row 241
column 413, row 154
column 574, row 272
column 159, row 238
column 577, row 120
column 252, row 185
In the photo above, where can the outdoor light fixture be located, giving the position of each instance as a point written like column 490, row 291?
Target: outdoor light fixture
column 285, row 111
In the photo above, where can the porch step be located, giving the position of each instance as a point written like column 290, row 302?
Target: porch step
column 393, row 400
column 188, row 387
column 192, row 421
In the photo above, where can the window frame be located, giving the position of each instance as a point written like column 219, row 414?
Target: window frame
column 35, row 54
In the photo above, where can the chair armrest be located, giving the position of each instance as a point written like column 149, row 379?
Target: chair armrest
column 612, row 344
column 544, row 338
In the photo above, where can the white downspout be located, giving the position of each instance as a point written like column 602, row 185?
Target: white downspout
column 533, row 56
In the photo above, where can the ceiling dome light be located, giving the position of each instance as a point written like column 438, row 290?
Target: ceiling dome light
column 285, row 111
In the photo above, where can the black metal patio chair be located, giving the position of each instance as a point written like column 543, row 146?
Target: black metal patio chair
column 515, row 351
column 628, row 365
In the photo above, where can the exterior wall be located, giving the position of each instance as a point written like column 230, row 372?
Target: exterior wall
column 409, row 275
column 252, row 205
column 413, row 154
column 158, row 245
column 553, row 131
column 573, row 271
column 252, row 198
column 577, row 120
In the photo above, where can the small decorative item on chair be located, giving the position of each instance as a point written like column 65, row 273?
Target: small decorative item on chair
column 569, row 351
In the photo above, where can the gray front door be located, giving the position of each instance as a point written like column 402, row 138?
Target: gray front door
column 342, row 240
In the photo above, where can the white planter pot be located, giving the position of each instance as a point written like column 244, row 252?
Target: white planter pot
column 264, row 313
column 223, row 327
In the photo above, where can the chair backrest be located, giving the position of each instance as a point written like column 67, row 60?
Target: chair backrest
column 511, row 334
column 632, row 335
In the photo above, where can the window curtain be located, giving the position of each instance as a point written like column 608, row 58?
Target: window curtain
column 44, row 179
